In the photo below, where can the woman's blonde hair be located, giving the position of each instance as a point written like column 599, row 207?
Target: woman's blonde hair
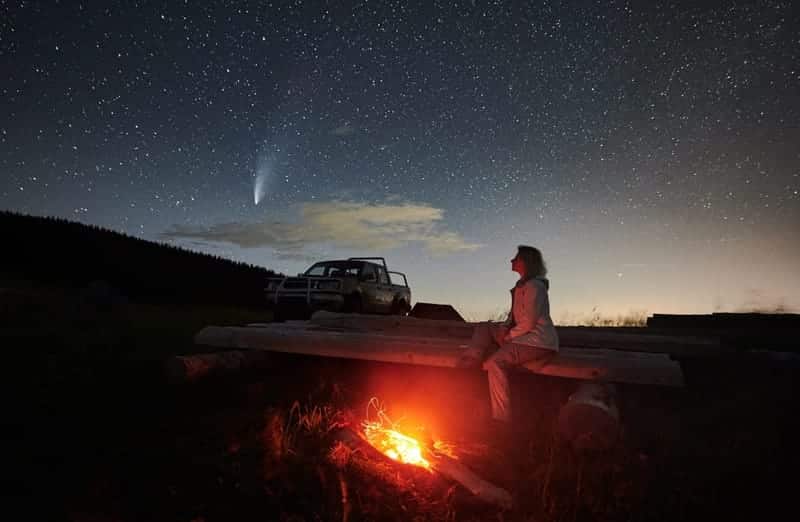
column 532, row 259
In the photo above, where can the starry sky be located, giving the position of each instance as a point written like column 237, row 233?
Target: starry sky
column 650, row 149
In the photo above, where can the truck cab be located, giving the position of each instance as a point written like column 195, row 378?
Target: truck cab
column 354, row 285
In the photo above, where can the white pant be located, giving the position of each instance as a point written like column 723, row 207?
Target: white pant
column 487, row 338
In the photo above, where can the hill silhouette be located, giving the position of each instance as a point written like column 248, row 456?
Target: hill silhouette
column 62, row 253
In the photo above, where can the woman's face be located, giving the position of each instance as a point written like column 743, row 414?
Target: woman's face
column 517, row 265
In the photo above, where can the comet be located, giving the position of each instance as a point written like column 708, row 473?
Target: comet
column 264, row 170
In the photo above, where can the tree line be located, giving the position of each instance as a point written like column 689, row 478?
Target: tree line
column 68, row 254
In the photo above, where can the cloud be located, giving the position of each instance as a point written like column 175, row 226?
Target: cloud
column 347, row 224
column 297, row 256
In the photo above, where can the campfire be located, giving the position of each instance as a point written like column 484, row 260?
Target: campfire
column 385, row 436
column 438, row 456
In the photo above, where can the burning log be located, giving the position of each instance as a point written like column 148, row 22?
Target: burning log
column 479, row 487
column 438, row 463
column 352, row 440
column 590, row 418
column 183, row 368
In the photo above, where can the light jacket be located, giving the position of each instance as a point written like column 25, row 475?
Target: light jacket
column 529, row 319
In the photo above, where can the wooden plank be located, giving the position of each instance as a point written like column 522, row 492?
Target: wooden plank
column 614, row 366
column 726, row 321
column 588, row 337
column 392, row 322
column 348, row 345
column 641, row 341
column 570, row 362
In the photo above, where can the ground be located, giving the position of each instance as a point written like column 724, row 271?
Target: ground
column 98, row 433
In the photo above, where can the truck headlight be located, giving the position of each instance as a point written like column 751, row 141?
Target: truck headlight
column 327, row 285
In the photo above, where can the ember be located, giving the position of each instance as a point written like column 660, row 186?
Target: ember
column 385, row 436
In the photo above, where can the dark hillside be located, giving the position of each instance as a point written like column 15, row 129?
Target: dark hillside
column 67, row 254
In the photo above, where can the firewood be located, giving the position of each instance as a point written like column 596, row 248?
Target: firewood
column 441, row 464
column 478, row 486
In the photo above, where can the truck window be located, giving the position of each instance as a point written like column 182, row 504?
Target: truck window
column 383, row 277
column 333, row 269
column 343, row 271
column 368, row 273
column 316, row 270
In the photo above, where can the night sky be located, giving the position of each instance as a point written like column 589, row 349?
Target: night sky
column 651, row 150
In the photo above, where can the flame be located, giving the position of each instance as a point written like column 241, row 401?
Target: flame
column 385, row 436
column 396, row 445
column 445, row 448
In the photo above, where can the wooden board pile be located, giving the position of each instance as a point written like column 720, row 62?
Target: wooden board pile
column 624, row 358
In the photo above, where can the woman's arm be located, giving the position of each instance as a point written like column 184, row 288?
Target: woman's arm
column 529, row 306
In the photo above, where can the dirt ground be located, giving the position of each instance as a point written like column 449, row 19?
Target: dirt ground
column 97, row 433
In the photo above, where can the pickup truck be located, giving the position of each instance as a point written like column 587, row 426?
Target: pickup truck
column 352, row 285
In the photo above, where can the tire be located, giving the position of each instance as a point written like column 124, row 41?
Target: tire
column 400, row 307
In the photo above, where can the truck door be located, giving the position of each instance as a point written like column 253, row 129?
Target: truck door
column 370, row 291
column 385, row 291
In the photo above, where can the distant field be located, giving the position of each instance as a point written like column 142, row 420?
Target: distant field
column 71, row 318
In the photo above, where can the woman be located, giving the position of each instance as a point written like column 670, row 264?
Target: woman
column 527, row 335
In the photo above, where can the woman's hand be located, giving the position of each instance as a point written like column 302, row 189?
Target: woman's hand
column 470, row 358
column 501, row 335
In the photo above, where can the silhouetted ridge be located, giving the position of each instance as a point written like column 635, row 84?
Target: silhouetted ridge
column 65, row 253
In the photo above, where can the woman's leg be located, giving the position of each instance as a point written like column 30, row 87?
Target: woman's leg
column 483, row 339
column 499, row 366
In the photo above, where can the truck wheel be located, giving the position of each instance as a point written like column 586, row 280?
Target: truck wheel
column 400, row 307
column 354, row 304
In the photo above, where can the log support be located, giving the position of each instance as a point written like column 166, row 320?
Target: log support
column 590, row 419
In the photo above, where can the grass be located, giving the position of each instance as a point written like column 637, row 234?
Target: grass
column 109, row 440
column 139, row 330
column 633, row 318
